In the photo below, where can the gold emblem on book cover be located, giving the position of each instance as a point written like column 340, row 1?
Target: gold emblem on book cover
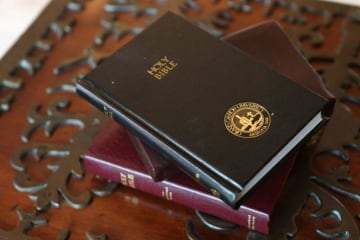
column 247, row 120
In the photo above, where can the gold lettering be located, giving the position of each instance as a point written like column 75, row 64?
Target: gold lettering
column 127, row 180
column 164, row 59
column 108, row 112
column 197, row 176
column 169, row 68
column 170, row 198
column 157, row 66
column 215, row 193
column 161, row 73
column 164, row 70
column 158, row 76
column 251, row 222
column 161, row 68
column 167, row 194
column 171, row 63
column 131, row 181
column 123, row 179
column 150, row 72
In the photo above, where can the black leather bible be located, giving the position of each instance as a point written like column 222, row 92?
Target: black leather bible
column 221, row 116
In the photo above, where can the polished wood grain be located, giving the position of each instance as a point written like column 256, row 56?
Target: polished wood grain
column 127, row 213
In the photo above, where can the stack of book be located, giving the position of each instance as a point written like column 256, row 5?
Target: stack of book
column 211, row 124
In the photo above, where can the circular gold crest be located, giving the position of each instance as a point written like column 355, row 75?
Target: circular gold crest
column 247, row 120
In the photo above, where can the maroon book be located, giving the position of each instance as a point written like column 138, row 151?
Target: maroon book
column 112, row 155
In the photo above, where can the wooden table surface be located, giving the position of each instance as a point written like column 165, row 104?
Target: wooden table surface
column 45, row 127
column 17, row 15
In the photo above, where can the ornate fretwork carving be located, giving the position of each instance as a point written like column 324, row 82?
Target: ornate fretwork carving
column 105, row 189
column 65, row 235
column 67, row 85
column 10, row 84
column 132, row 6
column 118, row 29
column 91, row 236
column 43, row 45
column 65, row 164
column 75, row 5
column 27, row 221
column 215, row 22
column 91, row 58
column 60, row 28
column 308, row 23
column 71, row 6
column 31, row 64
column 239, row 6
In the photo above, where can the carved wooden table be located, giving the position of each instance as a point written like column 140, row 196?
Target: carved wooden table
column 45, row 127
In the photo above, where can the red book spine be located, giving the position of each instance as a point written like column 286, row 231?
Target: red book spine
column 113, row 156
column 172, row 191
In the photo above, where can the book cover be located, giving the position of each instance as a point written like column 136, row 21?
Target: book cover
column 113, row 156
column 268, row 43
column 221, row 116
column 158, row 168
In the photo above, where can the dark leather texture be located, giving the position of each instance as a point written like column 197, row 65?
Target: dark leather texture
column 182, row 115
column 268, row 43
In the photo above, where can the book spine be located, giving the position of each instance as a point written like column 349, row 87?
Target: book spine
column 171, row 191
column 217, row 185
column 158, row 168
